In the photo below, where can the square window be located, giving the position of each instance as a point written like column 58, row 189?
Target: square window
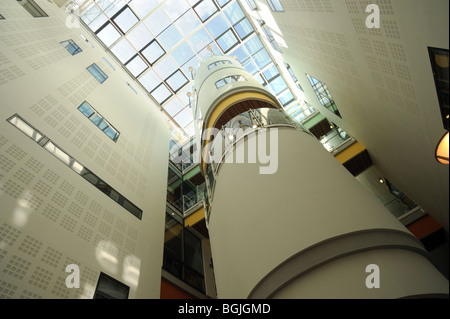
column 253, row 45
column 199, row 40
column 123, row 50
column 187, row 22
column 166, row 67
column 126, row 20
column 150, row 80
column 161, row 93
column 244, row 29
column 94, row 18
column 177, row 81
column 140, row 36
column 173, row 107
column 240, row 53
column 175, row 8
column 184, row 118
column 153, row 52
column 170, row 37
column 97, row 73
column 222, row 2
column 250, row 66
column 271, row 72
column 218, row 26
column 71, row 47
column 227, row 41
column 136, row 66
column 278, row 85
column 234, row 12
column 205, row 9
column 183, row 53
column 157, row 21
column 143, row 7
column 262, row 58
column 108, row 34
column 32, row 8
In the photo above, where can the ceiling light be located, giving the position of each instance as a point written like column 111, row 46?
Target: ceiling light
column 381, row 180
column 441, row 152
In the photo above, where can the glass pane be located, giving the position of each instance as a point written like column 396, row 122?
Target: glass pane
column 150, row 80
column 234, row 12
column 286, row 98
column 175, row 8
column 157, row 21
column 253, row 45
column 217, row 26
column 184, row 118
column 240, row 53
column 243, row 29
column 123, row 50
column 25, row 128
column 188, row 22
column 110, row 132
column 166, row 67
column 227, row 41
column 58, row 153
column 183, row 53
column 250, row 66
column 205, row 9
column 271, row 72
column 161, row 93
column 137, row 66
column 143, row 7
column 200, row 40
column 126, row 20
column 222, row 2
column 170, row 37
column 94, row 18
column 96, row 119
column 153, row 52
column 262, row 58
column 278, row 85
column 86, row 109
column 140, row 36
column 173, row 107
column 177, row 81
column 97, row 73
column 71, row 47
column 111, row 288
column 109, row 35
column 111, row 7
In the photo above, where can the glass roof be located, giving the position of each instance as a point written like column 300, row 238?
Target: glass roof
column 159, row 40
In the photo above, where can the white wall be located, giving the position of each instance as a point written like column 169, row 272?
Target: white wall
column 381, row 81
column 50, row 216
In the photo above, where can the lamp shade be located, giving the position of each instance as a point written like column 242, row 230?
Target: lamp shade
column 442, row 150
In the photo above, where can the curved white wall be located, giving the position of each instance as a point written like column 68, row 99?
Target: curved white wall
column 259, row 221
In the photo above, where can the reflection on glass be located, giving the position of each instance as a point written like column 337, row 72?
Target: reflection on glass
column 57, row 152
column 25, row 128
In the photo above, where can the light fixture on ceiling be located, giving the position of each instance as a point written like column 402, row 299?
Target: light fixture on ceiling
column 381, row 180
column 441, row 152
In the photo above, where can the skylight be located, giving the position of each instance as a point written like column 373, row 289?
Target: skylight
column 160, row 41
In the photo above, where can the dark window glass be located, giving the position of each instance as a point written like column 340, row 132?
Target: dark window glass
column 110, row 288
column 71, row 47
column 439, row 63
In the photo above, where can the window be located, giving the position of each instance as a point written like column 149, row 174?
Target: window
column 252, row 4
column 97, row 73
column 323, row 95
column 99, row 121
column 205, row 9
column 110, row 288
column 269, row 35
column 32, row 8
column 275, row 5
column 213, row 65
column 439, row 63
column 229, row 79
column 71, row 47
column 72, row 163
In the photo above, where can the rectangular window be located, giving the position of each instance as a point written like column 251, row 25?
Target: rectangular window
column 110, row 288
column 97, row 73
column 99, row 121
column 439, row 63
column 72, row 163
column 71, row 47
column 252, row 4
column 275, row 5
column 32, row 8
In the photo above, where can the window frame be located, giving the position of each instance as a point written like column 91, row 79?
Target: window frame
column 99, row 71
column 35, row 6
column 71, row 43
